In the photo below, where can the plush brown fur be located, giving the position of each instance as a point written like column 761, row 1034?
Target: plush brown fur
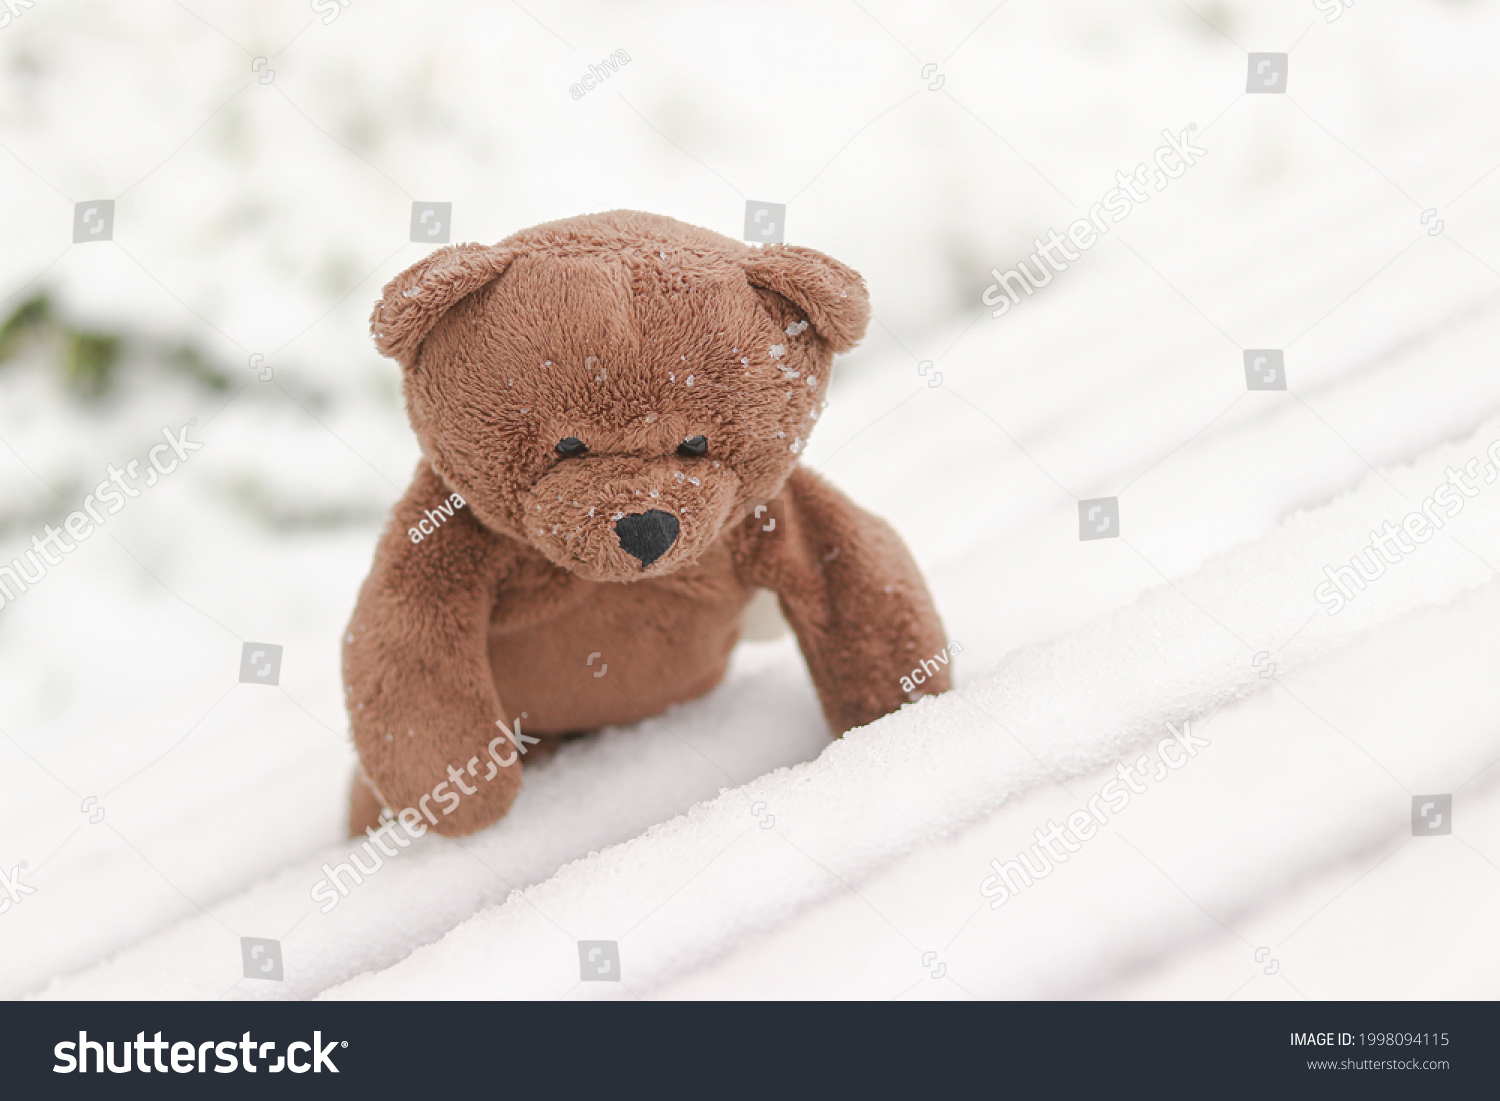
column 502, row 589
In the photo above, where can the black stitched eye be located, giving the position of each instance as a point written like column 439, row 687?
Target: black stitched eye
column 570, row 447
column 693, row 447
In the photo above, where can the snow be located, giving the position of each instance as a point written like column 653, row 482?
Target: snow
column 1289, row 832
column 1302, row 229
column 1049, row 714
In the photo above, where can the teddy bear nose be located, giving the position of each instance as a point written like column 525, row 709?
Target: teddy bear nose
column 648, row 535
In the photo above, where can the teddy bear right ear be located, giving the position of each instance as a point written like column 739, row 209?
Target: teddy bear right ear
column 831, row 294
column 412, row 302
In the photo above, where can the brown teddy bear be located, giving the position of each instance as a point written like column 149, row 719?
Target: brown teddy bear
column 611, row 410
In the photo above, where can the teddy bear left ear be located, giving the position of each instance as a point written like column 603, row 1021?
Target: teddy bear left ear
column 831, row 294
column 412, row 302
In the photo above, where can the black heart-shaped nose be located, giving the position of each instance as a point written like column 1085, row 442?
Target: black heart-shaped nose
column 648, row 535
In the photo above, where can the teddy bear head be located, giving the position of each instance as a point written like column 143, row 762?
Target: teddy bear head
column 614, row 389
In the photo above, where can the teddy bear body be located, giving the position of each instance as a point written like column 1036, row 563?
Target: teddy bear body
column 575, row 655
column 611, row 410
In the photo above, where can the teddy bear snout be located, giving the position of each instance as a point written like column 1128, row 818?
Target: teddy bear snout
column 623, row 518
column 647, row 536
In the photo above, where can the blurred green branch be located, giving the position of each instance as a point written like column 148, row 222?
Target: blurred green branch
column 90, row 361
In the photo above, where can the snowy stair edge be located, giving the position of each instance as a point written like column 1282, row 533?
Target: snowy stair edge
column 1193, row 645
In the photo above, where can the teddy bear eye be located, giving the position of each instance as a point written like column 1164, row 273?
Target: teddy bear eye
column 571, row 446
column 693, row 447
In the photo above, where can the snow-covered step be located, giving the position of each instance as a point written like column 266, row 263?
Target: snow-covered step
column 1290, row 832
column 1048, row 713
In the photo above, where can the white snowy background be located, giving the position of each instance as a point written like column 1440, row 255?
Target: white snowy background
column 264, row 158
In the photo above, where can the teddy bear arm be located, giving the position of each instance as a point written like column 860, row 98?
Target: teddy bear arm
column 420, row 692
column 855, row 599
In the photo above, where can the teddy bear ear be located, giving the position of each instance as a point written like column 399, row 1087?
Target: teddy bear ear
column 412, row 302
column 831, row 294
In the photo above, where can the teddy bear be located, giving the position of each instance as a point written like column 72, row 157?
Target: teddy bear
column 611, row 410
